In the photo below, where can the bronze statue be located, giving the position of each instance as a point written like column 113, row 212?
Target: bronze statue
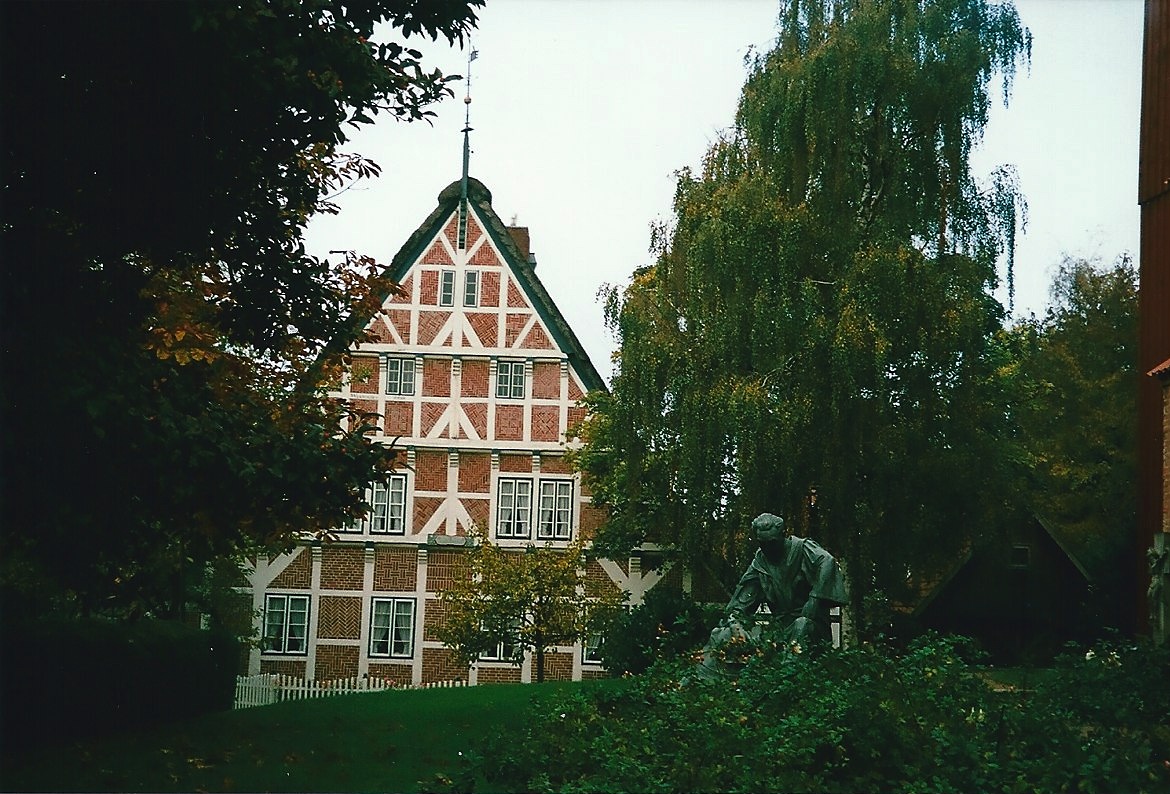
column 798, row 581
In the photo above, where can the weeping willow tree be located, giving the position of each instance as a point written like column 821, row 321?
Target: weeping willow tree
column 820, row 313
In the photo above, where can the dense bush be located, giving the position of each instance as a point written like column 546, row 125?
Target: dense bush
column 67, row 679
column 667, row 624
column 864, row 719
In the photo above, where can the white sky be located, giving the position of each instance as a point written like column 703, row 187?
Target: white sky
column 583, row 110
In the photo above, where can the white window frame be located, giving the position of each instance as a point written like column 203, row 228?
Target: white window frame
column 554, row 510
column 471, row 289
column 446, row 287
column 281, row 641
column 510, row 376
column 503, row 652
column 513, row 520
column 392, row 631
column 400, row 376
column 591, row 649
column 387, row 513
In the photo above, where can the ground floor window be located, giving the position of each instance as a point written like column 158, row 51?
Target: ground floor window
column 286, row 623
column 392, row 627
column 591, row 649
column 505, row 649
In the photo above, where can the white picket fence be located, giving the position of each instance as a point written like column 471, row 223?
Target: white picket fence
column 268, row 688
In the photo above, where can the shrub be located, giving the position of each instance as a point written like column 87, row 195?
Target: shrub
column 666, row 625
column 864, row 719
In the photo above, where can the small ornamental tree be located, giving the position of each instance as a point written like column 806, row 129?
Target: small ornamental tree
column 529, row 600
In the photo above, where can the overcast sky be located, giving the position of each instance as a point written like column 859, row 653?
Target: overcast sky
column 583, row 110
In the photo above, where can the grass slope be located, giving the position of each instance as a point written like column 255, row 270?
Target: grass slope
column 385, row 741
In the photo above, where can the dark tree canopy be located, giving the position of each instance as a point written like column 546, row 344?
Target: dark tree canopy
column 1077, row 414
column 167, row 340
column 821, row 311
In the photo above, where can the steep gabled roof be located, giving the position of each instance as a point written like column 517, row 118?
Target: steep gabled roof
column 480, row 202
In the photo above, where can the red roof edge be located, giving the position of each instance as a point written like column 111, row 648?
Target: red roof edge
column 1162, row 370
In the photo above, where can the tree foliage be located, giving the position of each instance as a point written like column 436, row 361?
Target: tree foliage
column 820, row 312
column 168, row 341
column 529, row 600
column 1078, row 413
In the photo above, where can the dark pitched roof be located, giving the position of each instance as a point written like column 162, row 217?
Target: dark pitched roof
column 480, row 201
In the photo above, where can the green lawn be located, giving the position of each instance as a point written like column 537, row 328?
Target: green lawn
column 385, row 741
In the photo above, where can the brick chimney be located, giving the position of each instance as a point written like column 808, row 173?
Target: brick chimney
column 523, row 242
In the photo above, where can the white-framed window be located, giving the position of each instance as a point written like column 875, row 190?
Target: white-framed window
column 514, row 508
column 392, row 627
column 471, row 288
column 555, row 513
column 286, row 624
column 504, row 650
column 591, row 649
column 447, row 288
column 400, row 376
column 387, row 514
column 510, row 380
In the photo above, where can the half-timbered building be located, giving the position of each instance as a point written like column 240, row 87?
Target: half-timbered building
column 476, row 377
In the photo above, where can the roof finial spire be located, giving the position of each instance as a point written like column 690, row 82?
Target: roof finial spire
column 472, row 55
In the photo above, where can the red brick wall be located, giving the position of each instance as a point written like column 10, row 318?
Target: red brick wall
column 509, row 422
column 546, row 380
column 429, row 325
column 480, row 511
column 400, row 319
column 293, row 667
column 401, row 674
column 440, row 664
column 395, row 569
column 475, row 469
column 554, row 464
column 557, row 666
column 435, row 616
column 537, row 339
column 380, row 332
column 473, row 232
column 430, row 471
column 340, row 618
column 399, row 418
column 431, row 414
column 513, row 325
column 336, row 661
column 475, row 378
column 597, row 581
column 516, row 463
column 489, row 292
column 365, row 374
column 428, row 288
column 424, row 508
column 499, row 675
column 486, row 255
column 437, row 255
column 436, row 377
column 484, row 325
column 515, row 296
column 443, row 569
column 298, row 574
column 342, row 568
column 575, row 392
column 477, row 415
column 404, row 296
column 546, row 423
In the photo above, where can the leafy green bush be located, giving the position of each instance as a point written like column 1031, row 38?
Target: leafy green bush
column 666, row 625
column 864, row 719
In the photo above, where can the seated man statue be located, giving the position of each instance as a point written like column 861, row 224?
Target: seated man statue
column 798, row 580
